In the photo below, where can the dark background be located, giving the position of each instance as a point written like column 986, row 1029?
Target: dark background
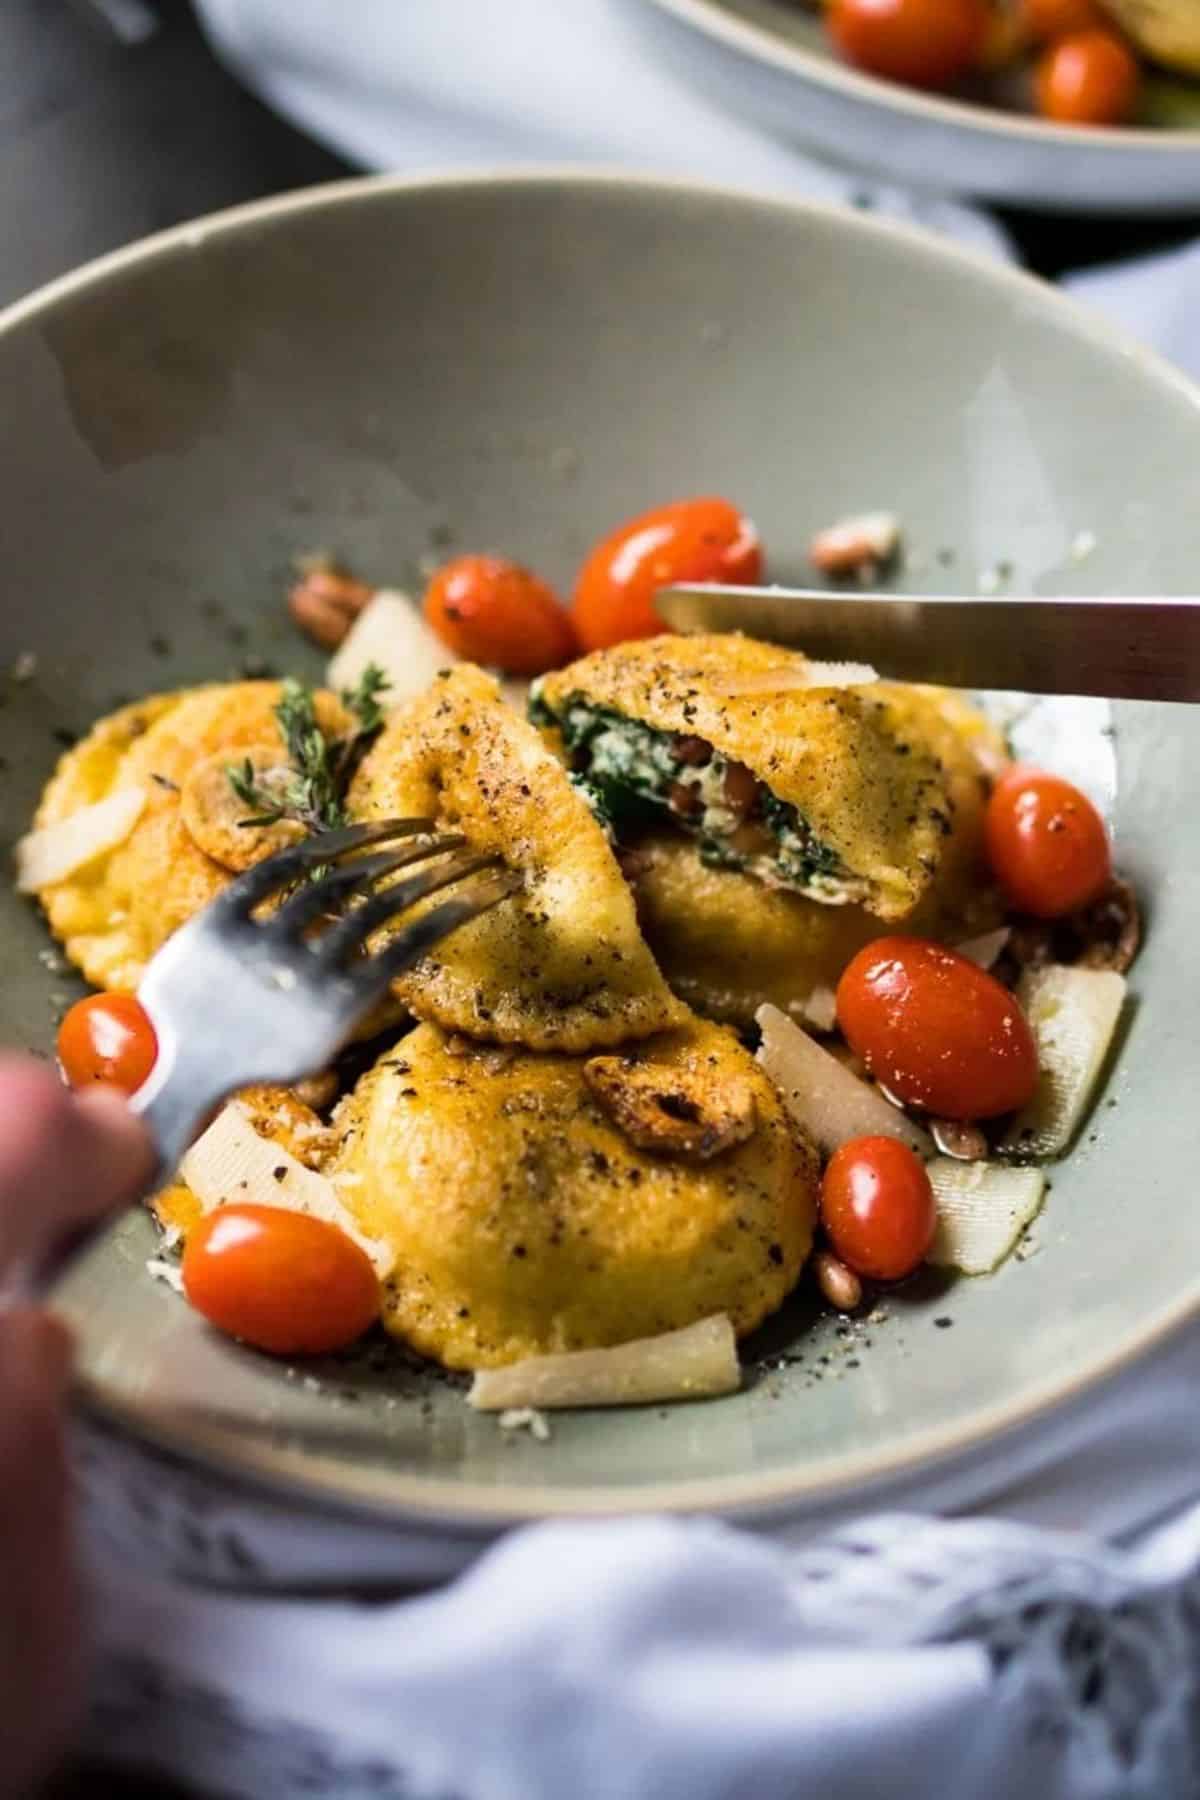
column 103, row 141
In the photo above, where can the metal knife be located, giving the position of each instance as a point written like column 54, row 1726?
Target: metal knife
column 1122, row 649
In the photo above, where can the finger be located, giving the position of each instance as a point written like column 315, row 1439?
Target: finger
column 40, row 1664
column 64, row 1161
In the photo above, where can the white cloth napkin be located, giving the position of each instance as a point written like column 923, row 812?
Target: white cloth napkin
column 903, row 1655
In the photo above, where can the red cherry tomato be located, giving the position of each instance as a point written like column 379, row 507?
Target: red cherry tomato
column 924, row 43
column 281, row 1281
column 497, row 613
column 1089, row 78
column 938, row 1031
column 1046, row 843
column 877, row 1207
column 687, row 540
column 107, row 1037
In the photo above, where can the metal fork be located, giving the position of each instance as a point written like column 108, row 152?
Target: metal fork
column 235, row 998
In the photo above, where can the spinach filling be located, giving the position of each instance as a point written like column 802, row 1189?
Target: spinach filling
column 634, row 777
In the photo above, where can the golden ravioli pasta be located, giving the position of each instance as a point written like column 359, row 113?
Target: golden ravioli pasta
column 523, row 1218
column 113, row 914
column 727, row 943
column 826, row 791
column 559, row 965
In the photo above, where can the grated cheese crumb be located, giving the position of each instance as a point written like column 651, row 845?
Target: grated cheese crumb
column 162, row 1270
column 526, row 1418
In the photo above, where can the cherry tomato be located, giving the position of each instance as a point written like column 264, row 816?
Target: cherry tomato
column 107, row 1037
column 1046, row 843
column 1089, row 78
column 937, row 1030
column 1045, row 20
column 282, row 1281
column 686, row 540
column 924, row 43
column 495, row 612
column 877, row 1207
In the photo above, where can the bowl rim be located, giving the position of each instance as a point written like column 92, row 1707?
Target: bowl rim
column 710, row 18
column 471, row 1508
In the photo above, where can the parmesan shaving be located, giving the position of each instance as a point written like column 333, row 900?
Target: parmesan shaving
column 692, row 1364
column 165, row 1271
column 1073, row 1014
column 822, row 1095
column 820, row 1009
column 231, row 1162
column 986, row 948
column 983, row 1208
column 56, row 851
column 792, row 679
column 391, row 634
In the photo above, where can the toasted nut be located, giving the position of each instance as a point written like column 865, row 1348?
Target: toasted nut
column 956, row 1138
column 692, row 750
column 1111, row 928
column 684, row 1110
column 317, row 1091
column 864, row 544
column 212, row 812
column 325, row 603
column 840, row 1285
column 684, row 800
column 740, row 789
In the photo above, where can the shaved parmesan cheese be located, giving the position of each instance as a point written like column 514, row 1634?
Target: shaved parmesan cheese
column 794, row 678
column 820, row 1009
column 162, row 1270
column 391, row 634
column 56, row 851
column 692, row 1364
column 1073, row 1014
column 985, row 949
column 866, row 542
column 822, row 1095
column 982, row 1210
column 231, row 1162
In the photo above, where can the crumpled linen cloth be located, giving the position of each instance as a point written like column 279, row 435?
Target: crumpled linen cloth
column 898, row 1652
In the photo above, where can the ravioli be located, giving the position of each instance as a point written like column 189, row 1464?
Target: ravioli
column 825, row 791
column 727, row 943
column 525, row 1221
column 559, row 965
column 112, row 915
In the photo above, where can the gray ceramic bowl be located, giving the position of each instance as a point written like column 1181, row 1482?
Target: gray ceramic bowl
column 771, row 60
column 523, row 361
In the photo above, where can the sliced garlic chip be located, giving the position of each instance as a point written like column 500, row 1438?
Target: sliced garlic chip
column 231, row 1162
column 1073, row 1014
column 693, row 1364
column 824, row 1097
column 983, row 1208
column 56, row 851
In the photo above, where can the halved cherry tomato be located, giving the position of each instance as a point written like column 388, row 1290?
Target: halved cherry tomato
column 924, row 43
column 107, row 1037
column 282, row 1281
column 1046, row 843
column 877, row 1207
column 938, row 1031
column 1088, row 78
column 1045, row 20
column 686, row 540
column 495, row 612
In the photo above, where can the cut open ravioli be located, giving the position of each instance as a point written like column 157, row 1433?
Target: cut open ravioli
column 559, row 965
column 827, row 791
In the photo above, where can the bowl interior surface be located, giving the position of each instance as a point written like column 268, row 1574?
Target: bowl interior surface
column 520, row 362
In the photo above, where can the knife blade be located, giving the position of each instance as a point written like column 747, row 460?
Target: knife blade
column 1120, row 648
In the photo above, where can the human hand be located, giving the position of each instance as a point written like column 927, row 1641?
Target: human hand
column 65, row 1161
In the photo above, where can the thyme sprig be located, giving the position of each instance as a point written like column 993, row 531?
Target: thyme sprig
column 312, row 790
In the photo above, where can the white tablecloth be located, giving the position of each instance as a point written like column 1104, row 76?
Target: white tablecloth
column 906, row 1655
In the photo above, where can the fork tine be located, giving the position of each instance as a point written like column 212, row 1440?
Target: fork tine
column 352, row 932
column 274, row 872
column 316, row 897
column 409, row 945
